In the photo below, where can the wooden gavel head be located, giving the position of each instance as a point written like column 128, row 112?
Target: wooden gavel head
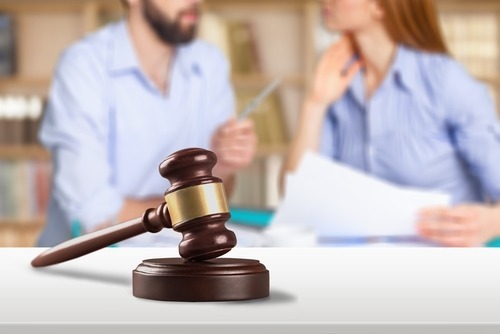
column 197, row 205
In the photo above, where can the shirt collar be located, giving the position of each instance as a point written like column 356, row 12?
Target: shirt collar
column 408, row 73
column 404, row 73
column 186, row 60
column 405, row 69
column 124, row 57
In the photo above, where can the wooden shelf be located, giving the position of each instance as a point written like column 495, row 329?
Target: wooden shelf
column 20, row 232
column 23, row 152
column 24, row 86
column 22, row 223
column 23, row 81
column 55, row 5
column 15, row 80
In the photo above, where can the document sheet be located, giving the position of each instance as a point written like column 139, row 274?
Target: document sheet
column 337, row 201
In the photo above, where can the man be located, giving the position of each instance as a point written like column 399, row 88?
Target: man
column 122, row 100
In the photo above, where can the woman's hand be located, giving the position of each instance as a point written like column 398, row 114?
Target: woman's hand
column 334, row 73
column 461, row 226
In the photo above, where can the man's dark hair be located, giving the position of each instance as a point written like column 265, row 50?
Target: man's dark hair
column 124, row 3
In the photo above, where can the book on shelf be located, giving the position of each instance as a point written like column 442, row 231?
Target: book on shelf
column 242, row 48
column 20, row 119
column 235, row 39
column 472, row 39
column 257, row 185
column 24, row 189
column 7, row 46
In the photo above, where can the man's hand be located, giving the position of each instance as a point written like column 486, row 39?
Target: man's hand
column 461, row 226
column 235, row 144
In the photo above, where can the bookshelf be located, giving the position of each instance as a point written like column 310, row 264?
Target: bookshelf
column 472, row 31
column 42, row 29
column 288, row 38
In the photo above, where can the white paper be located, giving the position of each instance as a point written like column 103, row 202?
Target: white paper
column 338, row 201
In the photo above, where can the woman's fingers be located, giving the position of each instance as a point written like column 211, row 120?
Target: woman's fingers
column 353, row 70
column 460, row 226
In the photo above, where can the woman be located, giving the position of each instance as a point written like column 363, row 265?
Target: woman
column 389, row 100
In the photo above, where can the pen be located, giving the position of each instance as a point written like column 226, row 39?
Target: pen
column 250, row 107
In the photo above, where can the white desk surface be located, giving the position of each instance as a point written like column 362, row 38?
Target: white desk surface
column 313, row 290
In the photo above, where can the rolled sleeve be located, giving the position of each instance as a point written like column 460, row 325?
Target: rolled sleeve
column 475, row 130
column 75, row 129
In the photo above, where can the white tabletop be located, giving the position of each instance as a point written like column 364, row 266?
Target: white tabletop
column 313, row 290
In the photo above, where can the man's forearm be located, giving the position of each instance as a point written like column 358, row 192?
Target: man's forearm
column 133, row 208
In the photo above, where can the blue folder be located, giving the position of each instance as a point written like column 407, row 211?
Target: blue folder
column 252, row 217
column 494, row 243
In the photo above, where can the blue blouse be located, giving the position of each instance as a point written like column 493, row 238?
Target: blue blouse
column 429, row 125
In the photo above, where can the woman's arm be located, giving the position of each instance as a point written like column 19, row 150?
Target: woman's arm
column 461, row 226
column 310, row 125
column 475, row 134
column 333, row 75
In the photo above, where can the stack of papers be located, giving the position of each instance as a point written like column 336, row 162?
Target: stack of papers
column 338, row 202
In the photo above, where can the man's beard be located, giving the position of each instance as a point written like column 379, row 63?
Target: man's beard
column 169, row 31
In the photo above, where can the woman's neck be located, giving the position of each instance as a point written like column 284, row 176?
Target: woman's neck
column 377, row 50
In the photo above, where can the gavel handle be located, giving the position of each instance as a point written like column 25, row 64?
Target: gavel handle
column 152, row 221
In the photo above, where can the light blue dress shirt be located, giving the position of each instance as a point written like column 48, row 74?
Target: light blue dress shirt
column 108, row 127
column 429, row 125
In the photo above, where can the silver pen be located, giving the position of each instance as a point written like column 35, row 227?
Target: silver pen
column 252, row 105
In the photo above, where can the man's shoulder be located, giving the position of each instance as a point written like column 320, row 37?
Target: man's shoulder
column 206, row 55
column 204, row 46
column 92, row 49
column 440, row 71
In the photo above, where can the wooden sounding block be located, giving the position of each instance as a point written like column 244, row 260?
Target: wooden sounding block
column 221, row 279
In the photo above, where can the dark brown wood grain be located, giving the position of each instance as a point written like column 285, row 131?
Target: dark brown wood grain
column 221, row 279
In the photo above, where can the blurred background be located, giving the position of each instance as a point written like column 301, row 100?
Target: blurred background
column 262, row 39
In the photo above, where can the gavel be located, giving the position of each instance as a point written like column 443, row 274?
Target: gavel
column 195, row 205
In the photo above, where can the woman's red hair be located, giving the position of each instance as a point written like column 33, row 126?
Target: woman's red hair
column 414, row 23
